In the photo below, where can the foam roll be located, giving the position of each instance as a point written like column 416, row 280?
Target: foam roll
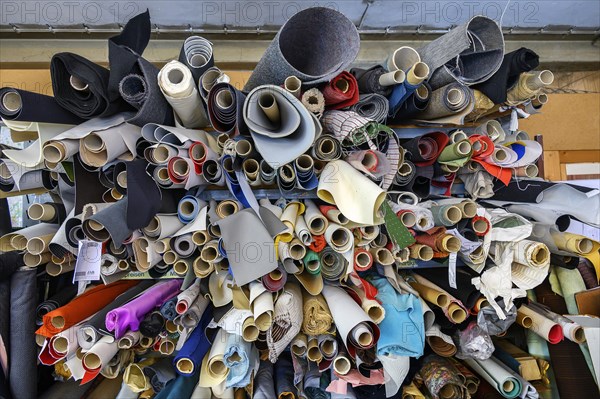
column 392, row 78
column 293, row 85
column 383, row 256
column 532, row 253
column 250, row 331
column 313, row 353
column 446, row 215
column 363, row 260
column 299, row 345
column 421, row 252
column 542, row 326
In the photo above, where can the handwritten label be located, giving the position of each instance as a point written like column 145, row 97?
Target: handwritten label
column 452, row 270
column 88, row 263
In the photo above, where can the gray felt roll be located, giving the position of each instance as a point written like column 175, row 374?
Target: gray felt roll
column 470, row 53
column 314, row 45
column 373, row 106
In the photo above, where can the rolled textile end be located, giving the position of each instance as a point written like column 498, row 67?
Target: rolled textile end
column 574, row 332
column 293, row 85
column 542, row 326
column 450, row 243
column 392, row 78
column 342, row 365
column 421, row 252
column 313, row 353
column 249, row 330
column 42, row 212
column 403, row 58
column 527, row 171
column 431, row 295
column 538, row 80
column 468, row 209
column 78, row 84
column 456, row 313
column 417, row 74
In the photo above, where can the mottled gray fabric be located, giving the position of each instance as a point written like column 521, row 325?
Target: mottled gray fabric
column 470, row 53
column 439, row 106
column 314, row 45
column 372, row 106
column 22, row 356
column 264, row 385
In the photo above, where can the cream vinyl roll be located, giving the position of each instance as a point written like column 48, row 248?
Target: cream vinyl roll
column 17, row 241
column 261, row 302
column 31, row 156
column 101, row 353
column 299, row 345
column 532, row 253
column 177, row 85
column 99, row 148
column 214, row 371
column 357, row 197
column 339, row 238
column 317, row 223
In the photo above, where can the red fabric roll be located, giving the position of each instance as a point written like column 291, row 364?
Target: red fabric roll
column 336, row 97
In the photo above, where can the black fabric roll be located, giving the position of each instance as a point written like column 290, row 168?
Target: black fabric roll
column 197, row 72
column 22, row 356
column 9, row 263
column 421, row 185
column 5, row 312
column 141, row 90
column 368, row 80
column 513, row 64
column 124, row 50
column 88, row 189
column 284, row 374
column 465, row 291
column 61, row 298
column 568, row 262
column 89, row 102
column 5, row 220
column 159, row 270
column 4, row 388
column 412, row 106
column 526, row 190
column 152, row 324
column 465, row 228
column 143, row 195
column 229, row 120
column 35, row 107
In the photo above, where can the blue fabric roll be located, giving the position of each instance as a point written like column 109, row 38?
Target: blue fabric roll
column 402, row 329
column 196, row 346
column 180, row 387
column 399, row 95
column 188, row 216
column 168, row 309
column 240, row 366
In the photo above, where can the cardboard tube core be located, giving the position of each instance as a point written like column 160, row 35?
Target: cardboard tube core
column 224, row 99
column 58, row 321
column 305, row 162
column 417, row 74
column 457, row 314
column 44, row 212
column 53, row 152
column 540, row 79
column 455, row 96
column 508, row 386
column 77, row 83
column 341, row 365
column 340, row 237
column 403, row 58
column 480, row 226
column 264, row 321
column 93, row 143
column 170, row 257
column 243, row 147
column 268, row 104
column 408, row 219
column 469, row 209
column 180, row 267
column 451, row 243
column 585, row 245
column 500, row 155
column 422, row 92
column 198, row 60
column 175, row 76
column 392, row 78
column 60, row 344
column 453, row 214
column 365, row 338
column 375, row 313
column 92, row 361
column 12, row 101
column 342, row 85
column 199, row 237
column 293, row 85
column 166, row 347
column 209, row 79
column 464, row 147
column 185, row 366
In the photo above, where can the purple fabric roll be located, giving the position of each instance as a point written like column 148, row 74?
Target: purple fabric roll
column 130, row 315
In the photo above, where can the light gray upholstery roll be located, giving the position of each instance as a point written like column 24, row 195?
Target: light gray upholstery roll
column 315, row 45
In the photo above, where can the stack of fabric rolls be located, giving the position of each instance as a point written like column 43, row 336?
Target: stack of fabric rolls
column 287, row 239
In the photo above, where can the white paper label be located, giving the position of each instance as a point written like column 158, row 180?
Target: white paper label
column 452, row 270
column 88, row 263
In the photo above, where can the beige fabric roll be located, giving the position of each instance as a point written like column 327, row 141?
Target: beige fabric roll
column 316, row 222
column 383, row 256
column 214, row 371
column 299, row 345
column 317, row 318
column 313, row 353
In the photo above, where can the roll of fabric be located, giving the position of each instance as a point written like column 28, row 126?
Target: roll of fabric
column 300, row 48
column 361, row 207
column 189, row 358
column 281, row 137
column 314, row 101
column 542, row 326
column 372, row 106
column 333, row 265
column 130, row 315
column 82, row 307
column 287, row 321
column 241, row 358
column 401, row 92
column 326, row 148
column 457, row 154
column 414, row 104
column 317, row 318
column 275, row 280
column 180, row 387
column 31, row 156
column 225, row 109
column 356, row 329
column 496, row 374
column 424, row 150
column 446, row 101
column 368, row 80
column 152, row 324
column 159, row 374
column 284, row 377
column 477, row 46
column 187, row 297
column 22, row 105
column 197, row 54
column 178, row 85
column 513, row 64
column 372, row 163
column 529, row 86
column 341, row 91
column 61, row 298
column 142, row 91
column 465, row 291
column 442, row 379
column 10, row 262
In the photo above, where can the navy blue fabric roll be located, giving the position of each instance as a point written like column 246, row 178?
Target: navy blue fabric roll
column 196, row 346
column 33, row 107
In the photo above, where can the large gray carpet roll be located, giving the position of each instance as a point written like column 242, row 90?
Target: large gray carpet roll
column 470, row 53
column 314, row 45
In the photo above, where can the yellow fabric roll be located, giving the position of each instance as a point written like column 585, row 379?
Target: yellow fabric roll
column 317, row 316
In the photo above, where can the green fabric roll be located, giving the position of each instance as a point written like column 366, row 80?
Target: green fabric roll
column 310, row 258
column 451, row 156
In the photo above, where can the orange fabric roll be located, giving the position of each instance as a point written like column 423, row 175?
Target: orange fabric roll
column 82, row 307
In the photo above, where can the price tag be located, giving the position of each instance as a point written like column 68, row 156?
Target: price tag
column 452, row 269
column 88, row 263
